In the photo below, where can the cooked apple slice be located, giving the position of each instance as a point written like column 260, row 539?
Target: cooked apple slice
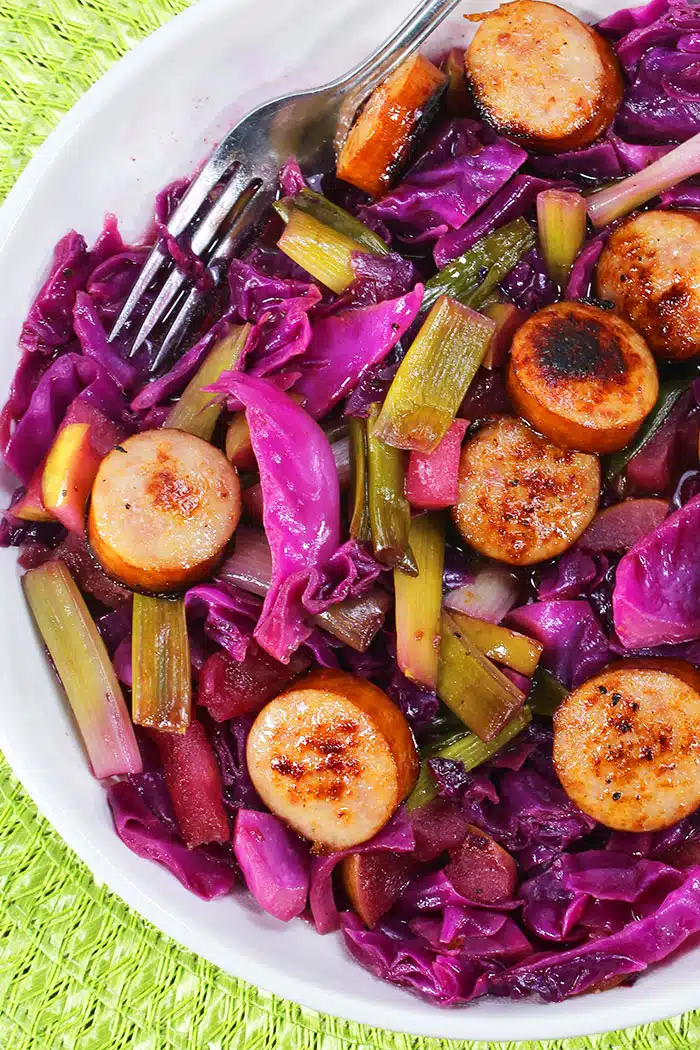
column 70, row 470
column 481, row 870
column 375, row 881
column 334, row 757
column 31, row 506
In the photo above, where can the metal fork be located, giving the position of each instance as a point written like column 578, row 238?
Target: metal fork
column 310, row 125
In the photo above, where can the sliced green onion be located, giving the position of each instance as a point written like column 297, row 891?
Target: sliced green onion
column 198, row 409
column 468, row 749
column 84, row 668
column 670, row 392
column 510, row 648
column 546, row 693
column 496, row 254
column 332, row 215
column 561, row 219
column 418, row 600
column 359, row 496
column 160, row 663
column 471, row 686
column 434, row 376
column 624, row 196
column 319, row 249
column 389, row 510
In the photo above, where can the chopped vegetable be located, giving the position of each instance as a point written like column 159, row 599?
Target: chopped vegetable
column 468, row 749
column 84, row 667
column 68, row 474
column 359, row 495
column 418, row 600
column 622, row 197
column 434, row 377
column 470, row 685
column 198, row 409
column 472, row 277
column 670, row 392
column 546, row 693
column 194, row 784
column 458, row 101
column 490, row 594
column 561, row 220
column 332, row 215
column 323, row 252
column 380, row 141
column 431, row 478
column 499, row 644
column 507, row 318
column 274, row 862
column 160, row 661
column 389, row 512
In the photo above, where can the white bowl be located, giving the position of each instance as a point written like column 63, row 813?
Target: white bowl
column 152, row 118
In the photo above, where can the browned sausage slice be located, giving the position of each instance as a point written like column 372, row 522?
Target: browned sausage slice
column 163, row 507
column 627, row 744
column 582, row 376
column 650, row 269
column 521, row 498
column 542, row 77
column 334, row 757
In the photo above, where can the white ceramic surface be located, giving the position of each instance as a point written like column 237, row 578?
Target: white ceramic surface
column 149, row 120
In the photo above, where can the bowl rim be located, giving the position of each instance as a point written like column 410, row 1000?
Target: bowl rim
column 554, row 1021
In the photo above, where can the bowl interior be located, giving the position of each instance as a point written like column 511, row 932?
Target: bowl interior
column 150, row 120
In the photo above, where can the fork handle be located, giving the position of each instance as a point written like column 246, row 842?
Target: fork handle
column 402, row 42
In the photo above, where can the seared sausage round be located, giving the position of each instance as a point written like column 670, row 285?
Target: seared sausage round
column 542, row 77
column 627, row 744
column 582, row 376
column 650, row 269
column 521, row 498
column 334, row 757
column 163, row 507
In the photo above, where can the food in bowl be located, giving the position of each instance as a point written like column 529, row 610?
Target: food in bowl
column 382, row 600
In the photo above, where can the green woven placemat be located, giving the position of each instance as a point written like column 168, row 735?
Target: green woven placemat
column 78, row 969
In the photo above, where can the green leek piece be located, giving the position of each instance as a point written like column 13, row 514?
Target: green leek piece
column 546, row 694
column 561, row 220
column 319, row 249
column 434, row 376
column 670, row 392
column 333, row 215
column 389, row 511
column 497, row 254
column 471, row 686
column 359, row 496
column 418, row 600
column 355, row 621
column 500, row 644
column 198, row 410
column 160, row 662
column 84, row 667
column 468, row 749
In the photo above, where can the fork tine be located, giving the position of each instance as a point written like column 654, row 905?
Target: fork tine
column 201, row 239
column 251, row 207
column 209, row 176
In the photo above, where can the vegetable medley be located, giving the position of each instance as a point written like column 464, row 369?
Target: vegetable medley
column 382, row 601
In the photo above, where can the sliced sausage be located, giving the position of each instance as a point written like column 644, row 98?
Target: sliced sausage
column 163, row 507
column 380, row 142
column 334, row 757
column 650, row 269
column 627, row 744
column 582, row 376
column 521, row 498
column 542, row 77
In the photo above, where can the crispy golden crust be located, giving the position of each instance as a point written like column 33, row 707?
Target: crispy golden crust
column 521, row 498
column 582, row 376
column 542, row 77
column 627, row 744
column 650, row 270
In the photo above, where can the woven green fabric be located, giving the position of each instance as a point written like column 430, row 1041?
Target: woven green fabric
column 78, row 969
